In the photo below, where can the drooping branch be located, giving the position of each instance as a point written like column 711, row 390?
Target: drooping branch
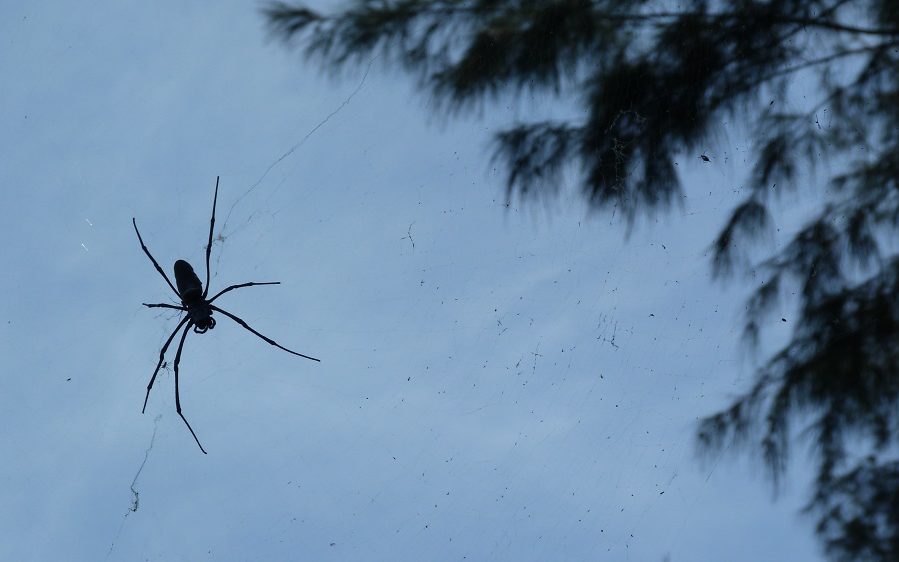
column 656, row 84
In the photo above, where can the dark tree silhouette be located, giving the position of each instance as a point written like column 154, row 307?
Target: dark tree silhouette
column 654, row 82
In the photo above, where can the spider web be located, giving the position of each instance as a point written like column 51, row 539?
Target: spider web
column 504, row 381
column 224, row 232
column 499, row 381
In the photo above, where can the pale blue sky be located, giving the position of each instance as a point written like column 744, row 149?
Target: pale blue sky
column 523, row 384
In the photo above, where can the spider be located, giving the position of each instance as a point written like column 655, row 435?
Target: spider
column 199, row 310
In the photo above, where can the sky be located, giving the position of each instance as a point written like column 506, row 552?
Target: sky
column 497, row 382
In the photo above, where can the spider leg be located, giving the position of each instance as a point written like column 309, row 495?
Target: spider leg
column 163, row 305
column 152, row 259
column 161, row 358
column 209, row 245
column 232, row 287
column 245, row 325
column 177, row 392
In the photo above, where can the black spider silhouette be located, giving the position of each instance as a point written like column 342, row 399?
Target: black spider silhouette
column 199, row 309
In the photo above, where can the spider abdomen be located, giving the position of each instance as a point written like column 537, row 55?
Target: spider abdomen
column 191, row 291
column 189, row 285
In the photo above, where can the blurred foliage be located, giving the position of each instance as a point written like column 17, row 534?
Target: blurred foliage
column 653, row 82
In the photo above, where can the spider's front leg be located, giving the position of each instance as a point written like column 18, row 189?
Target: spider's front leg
column 178, row 390
column 165, row 347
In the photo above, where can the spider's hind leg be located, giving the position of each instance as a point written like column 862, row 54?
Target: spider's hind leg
column 152, row 259
column 215, row 199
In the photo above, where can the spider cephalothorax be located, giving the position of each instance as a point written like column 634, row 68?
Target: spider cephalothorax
column 190, row 289
column 198, row 308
